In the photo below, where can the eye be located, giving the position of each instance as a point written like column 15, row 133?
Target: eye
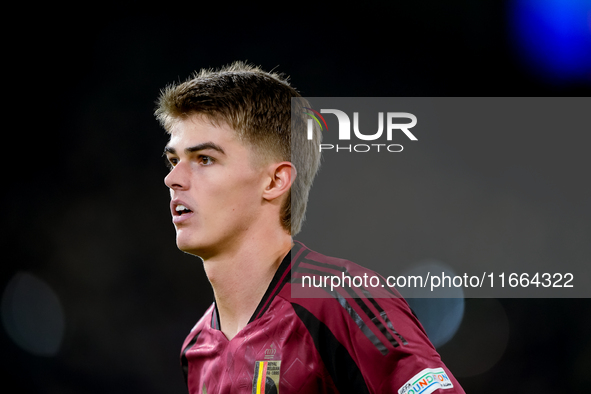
column 206, row 160
column 171, row 162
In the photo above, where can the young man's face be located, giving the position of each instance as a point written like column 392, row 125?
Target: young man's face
column 215, row 190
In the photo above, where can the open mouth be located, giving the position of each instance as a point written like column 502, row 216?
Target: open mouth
column 181, row 210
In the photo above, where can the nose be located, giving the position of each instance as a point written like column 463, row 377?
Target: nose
column 178, row 177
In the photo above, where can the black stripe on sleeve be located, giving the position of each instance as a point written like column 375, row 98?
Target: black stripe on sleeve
column 340, row 365
column 354, row 315
column 363, row 306
column 389, row 323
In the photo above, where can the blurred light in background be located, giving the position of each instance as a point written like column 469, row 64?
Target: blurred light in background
column 32, row 315
column 481, row 340
column 470, row 334
column 553, row 38
column 441, row 317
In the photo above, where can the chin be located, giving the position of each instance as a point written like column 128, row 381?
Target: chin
column 190, row 246
column 185, row 243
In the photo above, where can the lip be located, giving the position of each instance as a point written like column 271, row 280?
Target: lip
column 176, row 217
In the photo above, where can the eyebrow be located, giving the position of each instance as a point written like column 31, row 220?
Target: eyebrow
column 195, row 148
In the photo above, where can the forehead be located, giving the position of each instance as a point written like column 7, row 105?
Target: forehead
column 191, row 134
column 199, row 129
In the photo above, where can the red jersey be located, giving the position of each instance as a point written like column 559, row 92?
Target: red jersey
column 340, row 344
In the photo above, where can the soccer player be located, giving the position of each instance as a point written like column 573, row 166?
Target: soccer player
column 239, row 184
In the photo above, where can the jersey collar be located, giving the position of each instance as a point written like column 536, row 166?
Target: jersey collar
column 281, row 277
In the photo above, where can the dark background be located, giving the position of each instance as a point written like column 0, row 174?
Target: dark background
column 85, row 206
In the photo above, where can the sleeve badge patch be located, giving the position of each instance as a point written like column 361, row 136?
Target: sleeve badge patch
column 426, row 382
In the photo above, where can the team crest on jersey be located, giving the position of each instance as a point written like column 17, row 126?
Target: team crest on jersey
column 426, row 382
column 266, row 377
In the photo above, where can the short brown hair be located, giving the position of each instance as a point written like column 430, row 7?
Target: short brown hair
column 257, row 105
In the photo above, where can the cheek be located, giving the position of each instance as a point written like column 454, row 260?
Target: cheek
column 242, row 193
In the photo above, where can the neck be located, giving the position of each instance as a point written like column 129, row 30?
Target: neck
column 240, row 277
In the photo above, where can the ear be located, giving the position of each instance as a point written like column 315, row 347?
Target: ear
column 281, row 177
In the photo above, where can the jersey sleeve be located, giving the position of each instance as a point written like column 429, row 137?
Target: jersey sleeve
column 367, row 337
column 412, row 364
column 373, row 342
column 375, row 346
